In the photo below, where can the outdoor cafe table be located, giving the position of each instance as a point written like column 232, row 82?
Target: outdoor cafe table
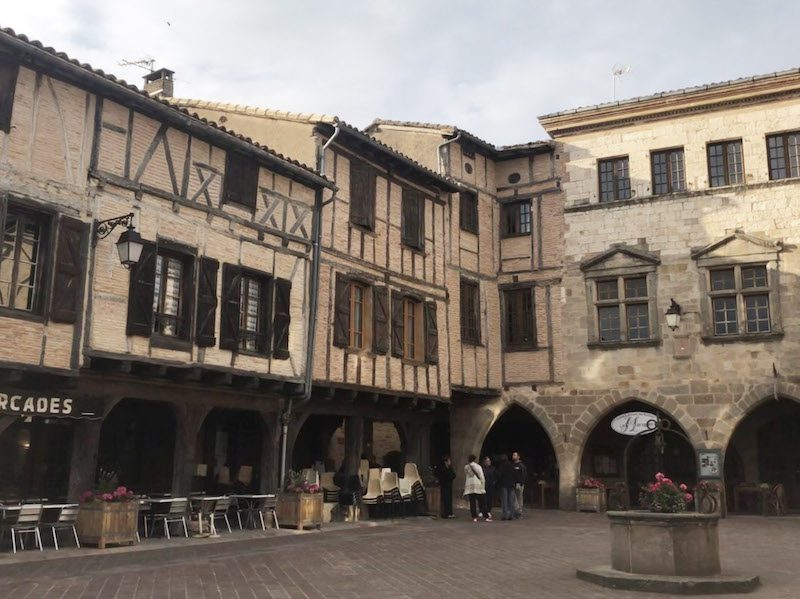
column 254, row 504
column 158, row 505
column 205, row 506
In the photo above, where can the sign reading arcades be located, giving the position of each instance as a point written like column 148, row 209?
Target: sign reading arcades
column 24, row 404
column 632, row 424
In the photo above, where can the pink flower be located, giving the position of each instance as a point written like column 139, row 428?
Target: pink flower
column 659, row 476
column 87, row 496
column 667, row 481
column 107, row 497
column 688, row 497
column 120, row 491
column 683, row 488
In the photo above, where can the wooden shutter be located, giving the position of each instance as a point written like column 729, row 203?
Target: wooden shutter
column 397, row 324
column 412, row 218
column 68, row 270
column 341, row 312
column 8, row 84
column 240, row 185
column 205, row 325
column 362, row 194
column 280, row 324
column 231, row 298
column 140, row 295
column 468, row 202
column 267, row 291
column 431, row 334
column 380, row 320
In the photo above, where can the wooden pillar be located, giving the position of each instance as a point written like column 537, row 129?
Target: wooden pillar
column 270, row 452
column 83, row 458
column 353, row 443
column 189, row 420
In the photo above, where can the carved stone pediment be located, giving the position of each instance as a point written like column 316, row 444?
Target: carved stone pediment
column 619, row 259
column 738, row 247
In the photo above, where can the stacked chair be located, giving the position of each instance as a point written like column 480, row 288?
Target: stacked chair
column 330, row 490
column 390, row 488
column 373, row 498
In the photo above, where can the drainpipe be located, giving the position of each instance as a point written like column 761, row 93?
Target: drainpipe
column 316, row 250
column 439, row 151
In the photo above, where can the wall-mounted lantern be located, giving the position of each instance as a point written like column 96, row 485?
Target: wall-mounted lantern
column 129, row 244
column 673, row 314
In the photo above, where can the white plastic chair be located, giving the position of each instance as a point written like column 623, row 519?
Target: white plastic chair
column 330, row 490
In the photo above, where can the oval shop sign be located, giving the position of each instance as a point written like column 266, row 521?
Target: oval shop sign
column 635, row 423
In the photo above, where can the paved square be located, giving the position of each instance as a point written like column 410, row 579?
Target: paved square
column 532, row 558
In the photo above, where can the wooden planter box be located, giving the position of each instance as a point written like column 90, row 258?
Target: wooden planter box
column 103, row 523
column 299, row 509
column 590, row 500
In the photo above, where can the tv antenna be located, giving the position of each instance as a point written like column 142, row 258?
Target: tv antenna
column 617, row 71
column 147, row 63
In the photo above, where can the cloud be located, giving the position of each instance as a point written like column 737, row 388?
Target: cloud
column 490, row 68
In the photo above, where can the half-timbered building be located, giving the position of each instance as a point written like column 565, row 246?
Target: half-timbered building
column 171, row 374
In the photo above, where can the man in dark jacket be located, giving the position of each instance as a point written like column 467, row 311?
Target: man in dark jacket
column 520, row 477
column 446, row 476
column 505, row 480
column 490, row 475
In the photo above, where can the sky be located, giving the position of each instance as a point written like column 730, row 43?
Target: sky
column 487, row 67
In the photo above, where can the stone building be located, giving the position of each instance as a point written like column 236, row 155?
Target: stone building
column 171, row 374
column 381, row 376
column 685, row 196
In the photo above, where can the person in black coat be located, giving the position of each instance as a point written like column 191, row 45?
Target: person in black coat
column 446, row 476
column 506, row 480
column 490, row 474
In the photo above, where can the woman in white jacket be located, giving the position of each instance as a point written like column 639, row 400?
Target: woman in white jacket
column 474, row 486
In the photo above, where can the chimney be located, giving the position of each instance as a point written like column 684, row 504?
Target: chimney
column 159, row 83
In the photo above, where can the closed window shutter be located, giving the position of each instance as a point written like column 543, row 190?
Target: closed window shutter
column 231, row 299
column 8, row 84
column 280, row 325
column 267, row 291
column 140, row 296
column 412, row 225
column 380, row 320
column 186, row 310
column 205, row 326
column 68, row 279
column 431, row 334
column 240, row 185
column 362, row 195
column 397, row 324
column 341, row 312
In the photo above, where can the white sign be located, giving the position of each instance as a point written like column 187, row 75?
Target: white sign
column 635, row 423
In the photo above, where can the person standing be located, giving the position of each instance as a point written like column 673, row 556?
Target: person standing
column 505, row 480
column 520, row 477
column 446, row 475
column 474, row 487
column 490, row 484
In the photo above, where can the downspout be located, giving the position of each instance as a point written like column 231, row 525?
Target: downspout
column 316, row 250
column 439, row 151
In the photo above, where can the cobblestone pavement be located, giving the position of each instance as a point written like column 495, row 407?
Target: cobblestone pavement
column 419, row 557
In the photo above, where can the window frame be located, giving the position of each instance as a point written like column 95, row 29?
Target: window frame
column 617, row 195
column 468, row 211
column 367, row 291
column 240, row 181
column 739, row 293
column 263, row 334
column 508, row 292
column 622, row 302
column 667, row 152
column 187, row 289
column 515, row 206
column 785, row 145
column 470, row 320
column 414, row 307
column 41, row 291
column 725, row 163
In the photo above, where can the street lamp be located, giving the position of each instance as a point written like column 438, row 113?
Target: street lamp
column 673, row 315
column 129, row 244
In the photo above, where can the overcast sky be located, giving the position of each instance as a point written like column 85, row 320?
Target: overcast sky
column 488, row 67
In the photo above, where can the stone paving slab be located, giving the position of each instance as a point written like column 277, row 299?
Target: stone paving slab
column 532, row 558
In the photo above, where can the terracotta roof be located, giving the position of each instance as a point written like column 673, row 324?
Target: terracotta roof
column 39, row 53
column 445, row 182
column 684, row 91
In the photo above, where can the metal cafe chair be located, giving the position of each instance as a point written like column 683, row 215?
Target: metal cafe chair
column 220, row 512
column 67, row 517
column 27, row 522
column 176, row 512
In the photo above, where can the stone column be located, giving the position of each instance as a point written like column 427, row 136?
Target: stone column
column 189, row 420
column 270, row 453
column 353, row 443
column 83, row 458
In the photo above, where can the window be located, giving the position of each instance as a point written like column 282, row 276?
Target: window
column 668, row 171
column 168, row 295
column 520, row 325
column 358, row 295
column 361, row 315
column 725, row 165
column 470, row 312
column 22, row 260
column 516, row 219
column 615, row 182
column 240, row 185
column 468, row 201
column 413, row 224
column 362, row 195
column 784, row 155
column 412, row 329
column 8, row 84
column 740, row 295
column 251, row 313
column 623, row 309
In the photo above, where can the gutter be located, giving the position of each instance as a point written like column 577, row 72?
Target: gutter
column 439, row 151
column 316, row 251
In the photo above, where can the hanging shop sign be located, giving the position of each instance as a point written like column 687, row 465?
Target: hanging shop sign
column 632, row 424
column 25, row 404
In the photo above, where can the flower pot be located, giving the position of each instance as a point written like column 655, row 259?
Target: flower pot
column 104, row 523
column 299, row 509
column 682, row 544
column 590, row 500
